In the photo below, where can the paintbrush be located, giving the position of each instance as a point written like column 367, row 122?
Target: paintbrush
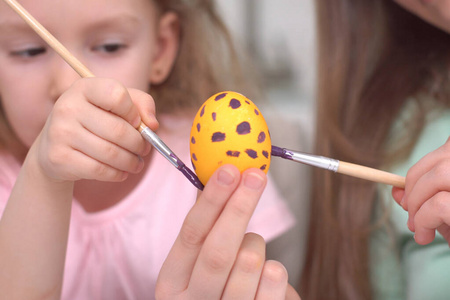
column 145, row 131
column 340, row 167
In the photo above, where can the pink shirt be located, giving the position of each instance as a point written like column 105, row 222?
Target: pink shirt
column 117, row 253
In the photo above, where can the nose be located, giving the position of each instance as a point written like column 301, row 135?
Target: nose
column 62, row 77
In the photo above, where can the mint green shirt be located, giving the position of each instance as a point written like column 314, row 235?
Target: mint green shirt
column 401, row 268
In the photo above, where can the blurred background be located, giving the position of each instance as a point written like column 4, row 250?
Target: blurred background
column 280, row 36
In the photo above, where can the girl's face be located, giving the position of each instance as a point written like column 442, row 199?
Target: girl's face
column 435, row 12
column 114, row 38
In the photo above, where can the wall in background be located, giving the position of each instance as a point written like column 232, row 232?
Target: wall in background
column 281, row 36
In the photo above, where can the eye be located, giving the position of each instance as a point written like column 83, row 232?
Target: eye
column 29, row 52
column 110, row 47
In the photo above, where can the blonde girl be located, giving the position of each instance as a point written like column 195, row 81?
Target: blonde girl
column 89, row 210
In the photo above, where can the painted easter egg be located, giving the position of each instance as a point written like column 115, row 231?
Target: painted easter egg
column 229, row 129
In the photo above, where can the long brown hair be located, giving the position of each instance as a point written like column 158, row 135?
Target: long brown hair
column 373, row 57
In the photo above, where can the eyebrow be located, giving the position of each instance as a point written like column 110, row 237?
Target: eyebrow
column 111, row 21
column 114, row 21
column 19, row 25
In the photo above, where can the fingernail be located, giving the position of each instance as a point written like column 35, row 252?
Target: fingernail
column 402, row 201
column 253, row 181
column 136, row 122
column 147, row 149
column 411, row 225
column 140, row 166
column 225, row 177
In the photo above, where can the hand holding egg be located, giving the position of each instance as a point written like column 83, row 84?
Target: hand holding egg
column 229, row 129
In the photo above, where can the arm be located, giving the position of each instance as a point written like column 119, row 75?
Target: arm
column 213, row 258
column 90, row 134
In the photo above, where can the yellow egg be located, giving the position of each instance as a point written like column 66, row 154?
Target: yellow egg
column 229, row 129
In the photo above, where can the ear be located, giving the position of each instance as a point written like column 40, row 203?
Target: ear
column 168, row 40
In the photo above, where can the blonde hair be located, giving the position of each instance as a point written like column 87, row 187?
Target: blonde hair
column 208, row 61
column 373, row 57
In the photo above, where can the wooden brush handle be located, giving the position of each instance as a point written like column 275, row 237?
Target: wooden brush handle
column 371, row 174
column 50, row 39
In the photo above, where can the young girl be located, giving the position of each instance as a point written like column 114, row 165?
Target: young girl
column 383, row 102
column 70, row 152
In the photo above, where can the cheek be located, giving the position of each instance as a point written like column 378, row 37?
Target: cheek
column 25, row 115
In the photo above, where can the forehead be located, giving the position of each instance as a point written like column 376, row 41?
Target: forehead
column 75, row 13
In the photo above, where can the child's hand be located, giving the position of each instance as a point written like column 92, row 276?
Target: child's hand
column 213, row 258
column 91, row 132
column 427, row 195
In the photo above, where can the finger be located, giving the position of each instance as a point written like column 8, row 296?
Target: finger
column 114, row 129
column 422, row 167
column 398, row 194
column 112, row 96
column 146, row 107
column 444, row 230
column 177, row 269
column 82, row 167
column 427, row 186
column 244, row 278
column 433, row 213
column 220, row 249
column 273, row 283
column 106, row 152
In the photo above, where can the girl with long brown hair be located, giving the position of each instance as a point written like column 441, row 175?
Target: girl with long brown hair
column 384, row 102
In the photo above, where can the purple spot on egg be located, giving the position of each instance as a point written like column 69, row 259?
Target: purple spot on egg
column 214, row 116
column 218, row 137
column 192, row 140
column 265, row 153
column 218, row 97
column 252, row 153
column 256, row 112
column 194, row 156
column 248, row 102
column 261, row 137
column 263, row 167
column 233, row 153
column 235, row 103
column 243, row 128
column 198, row 127
column 202, row 112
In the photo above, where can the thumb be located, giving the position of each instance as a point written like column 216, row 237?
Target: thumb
column 398, row 195
column 146, row 106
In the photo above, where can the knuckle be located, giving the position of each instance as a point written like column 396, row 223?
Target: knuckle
column 250, row 261
column 100, row 170
column 117, row 93
column 120, row 130
column 190, row 236
column 241, row 209
column 442, row 202
column 218, row 260
column 442, row 169
column 111, row 152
